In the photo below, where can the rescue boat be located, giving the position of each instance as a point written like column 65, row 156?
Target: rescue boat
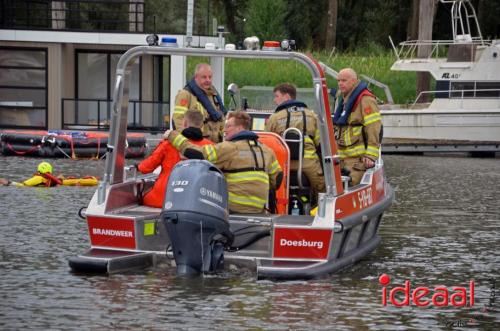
column 61, row 143
column 194, row 227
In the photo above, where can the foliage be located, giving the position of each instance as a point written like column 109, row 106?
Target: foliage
column 265, row 19
column 375, row 64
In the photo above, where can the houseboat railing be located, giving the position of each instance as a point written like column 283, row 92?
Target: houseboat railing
column 96, row 114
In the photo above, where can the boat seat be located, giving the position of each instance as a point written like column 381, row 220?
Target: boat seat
column 300, row 188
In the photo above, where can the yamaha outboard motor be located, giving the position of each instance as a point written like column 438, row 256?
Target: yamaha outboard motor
column 195, row 214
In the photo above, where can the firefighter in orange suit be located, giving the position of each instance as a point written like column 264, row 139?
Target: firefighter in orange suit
column 291, row 113
column 167, row 156
column 200, row 94
column 250, row 167
column 357, row 124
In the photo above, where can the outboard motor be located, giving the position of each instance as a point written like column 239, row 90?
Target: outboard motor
column 195, row 214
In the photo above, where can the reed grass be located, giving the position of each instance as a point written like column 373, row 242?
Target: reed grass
column 263, row 72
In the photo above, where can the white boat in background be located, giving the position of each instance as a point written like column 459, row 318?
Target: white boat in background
column 466, row 102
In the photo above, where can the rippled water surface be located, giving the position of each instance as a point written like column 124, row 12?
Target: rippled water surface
column 443, row 229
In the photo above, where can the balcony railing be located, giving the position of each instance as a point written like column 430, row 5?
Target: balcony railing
column 86, row 15
column 95, row 114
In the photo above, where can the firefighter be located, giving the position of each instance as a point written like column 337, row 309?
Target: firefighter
column 200, row 94
column 250, row 167
column 357, row 124
column 166, row 156
column 291, row 113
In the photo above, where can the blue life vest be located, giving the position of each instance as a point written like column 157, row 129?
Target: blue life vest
column 343, row 111
column 203, row 98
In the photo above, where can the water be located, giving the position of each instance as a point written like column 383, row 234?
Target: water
column 443, row 229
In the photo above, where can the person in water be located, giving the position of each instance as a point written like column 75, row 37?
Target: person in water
column 357, row 124
column 200, row 94
column 43, row 177
column 167, row 156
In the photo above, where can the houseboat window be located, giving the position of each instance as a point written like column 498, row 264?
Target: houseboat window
column 23, row 87
column 161, row 91
column 96, row 77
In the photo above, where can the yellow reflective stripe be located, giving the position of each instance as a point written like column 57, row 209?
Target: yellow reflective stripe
column 247, row 200
column 356, row 130
column 316, row 137
column 180, row 110
column 211, row 153
column 310, row 154
column 308, row 139
column 372, row 150
column 178, row 141
column 200, row 106
column 347, row 137
column 371, row 118
column 246, row 176
column 353, row 151
column 275, row 167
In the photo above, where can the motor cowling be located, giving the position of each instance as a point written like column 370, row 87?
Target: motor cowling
column 195, row 214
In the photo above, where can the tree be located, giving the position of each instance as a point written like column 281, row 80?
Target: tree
column 331, row 26
column 266, row 19
column 426, row 16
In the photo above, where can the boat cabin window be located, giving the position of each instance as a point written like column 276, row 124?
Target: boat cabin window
column 467, row 89
column 475, row 89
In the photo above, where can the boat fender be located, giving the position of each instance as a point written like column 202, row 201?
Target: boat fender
column 81, row 212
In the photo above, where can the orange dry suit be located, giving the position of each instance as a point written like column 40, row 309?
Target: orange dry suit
column 166, row 156
column 250, row 168
column 358, row 126
column 208, row 103
column 295, row 114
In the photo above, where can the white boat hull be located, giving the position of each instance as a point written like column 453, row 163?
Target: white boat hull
column 467, row 125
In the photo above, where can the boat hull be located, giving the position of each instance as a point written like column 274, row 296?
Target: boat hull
column 273, row 246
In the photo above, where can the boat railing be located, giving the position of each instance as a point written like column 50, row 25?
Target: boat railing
column 459, row 94
column 435, row 48
column 332, row 73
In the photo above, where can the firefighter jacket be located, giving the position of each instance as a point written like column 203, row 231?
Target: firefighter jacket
column 166, row 156
column 250, row 168
column 293, row 114
column 212, row 130
column 357, row 124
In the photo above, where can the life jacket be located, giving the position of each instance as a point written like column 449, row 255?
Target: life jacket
column 51, row 179
column 203, row 99
column 308, row 142
column 343, row 111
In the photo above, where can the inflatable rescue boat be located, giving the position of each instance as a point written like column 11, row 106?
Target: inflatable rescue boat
column 70, row 144
column 195, row 228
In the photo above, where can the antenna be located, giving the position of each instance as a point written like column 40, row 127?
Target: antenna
column 189, row 22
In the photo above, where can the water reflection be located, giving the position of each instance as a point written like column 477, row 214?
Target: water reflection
column 442, row 229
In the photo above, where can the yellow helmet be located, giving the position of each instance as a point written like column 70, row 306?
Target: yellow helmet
column 44, row 168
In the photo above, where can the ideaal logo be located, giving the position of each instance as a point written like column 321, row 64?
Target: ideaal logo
column 423, row 296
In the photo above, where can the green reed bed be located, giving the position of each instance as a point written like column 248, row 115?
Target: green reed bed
column 246, row 72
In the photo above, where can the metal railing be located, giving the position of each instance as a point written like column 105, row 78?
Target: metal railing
column 461, row 94
column 438, row 48
column 73, row 15
column 96, row 114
